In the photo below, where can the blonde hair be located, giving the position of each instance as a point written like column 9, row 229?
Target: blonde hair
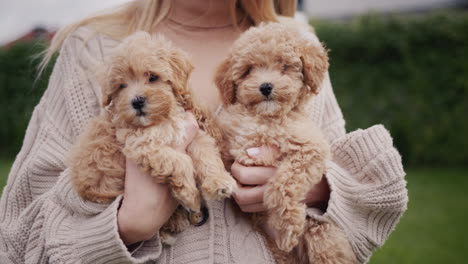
column 145, row 15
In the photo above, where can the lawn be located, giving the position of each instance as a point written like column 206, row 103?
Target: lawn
column 433, row 230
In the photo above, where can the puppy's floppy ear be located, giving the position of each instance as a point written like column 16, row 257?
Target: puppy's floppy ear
column 102, row 76
column 314, row 59
column 181, row 67
column 224, row 80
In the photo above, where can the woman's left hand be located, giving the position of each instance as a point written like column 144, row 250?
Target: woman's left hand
column 252, row 183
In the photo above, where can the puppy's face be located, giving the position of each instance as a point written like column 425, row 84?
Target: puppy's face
column 270, row 85
column 272, row 69
column 142, row 98
column 145, row 81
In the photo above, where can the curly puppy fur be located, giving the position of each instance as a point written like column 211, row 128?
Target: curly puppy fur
column 144, row 98
column 273, row 70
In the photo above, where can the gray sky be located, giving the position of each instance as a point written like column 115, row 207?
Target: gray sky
column 18, row 17
column 336, row 8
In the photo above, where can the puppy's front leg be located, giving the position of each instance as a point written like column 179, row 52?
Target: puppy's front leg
column 284, row 194
column 215, row 181
column 172, row 167
column 324, row 242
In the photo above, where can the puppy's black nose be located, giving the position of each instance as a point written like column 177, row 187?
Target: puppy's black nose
column 266, row 88
column 138, row 102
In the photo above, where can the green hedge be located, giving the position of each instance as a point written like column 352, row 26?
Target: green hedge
column 19, row 93
column 409, row 73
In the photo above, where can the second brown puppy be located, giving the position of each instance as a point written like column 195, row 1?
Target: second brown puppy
column 268, row 79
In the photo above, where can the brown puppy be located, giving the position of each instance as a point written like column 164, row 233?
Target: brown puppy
column 144, row 98
column 272, row 72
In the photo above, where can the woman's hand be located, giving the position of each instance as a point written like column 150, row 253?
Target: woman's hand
column 147, row 205
column 252, row 183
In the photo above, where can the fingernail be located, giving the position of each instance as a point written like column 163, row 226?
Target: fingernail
column 253, row 151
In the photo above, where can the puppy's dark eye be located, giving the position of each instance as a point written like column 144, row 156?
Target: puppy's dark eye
column 122, row 85
column 247, row 72
column 152, row 78
column 285, row 67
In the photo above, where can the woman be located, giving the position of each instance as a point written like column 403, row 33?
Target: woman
column 43, row 220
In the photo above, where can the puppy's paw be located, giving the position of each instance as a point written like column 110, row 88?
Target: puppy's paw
column 327, row 243
column 187, row 194
column 290, row 225
column 287, row 239
column 167, row 238
column 190, row 200
column 219, row 187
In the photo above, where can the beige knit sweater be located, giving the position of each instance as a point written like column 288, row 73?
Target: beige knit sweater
column 43, row 220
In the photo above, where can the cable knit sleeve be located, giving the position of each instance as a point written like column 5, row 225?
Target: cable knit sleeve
column 42, row 219
column 366, row 178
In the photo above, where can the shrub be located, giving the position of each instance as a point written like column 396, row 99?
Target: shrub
column 19, row 93
column 409, row 73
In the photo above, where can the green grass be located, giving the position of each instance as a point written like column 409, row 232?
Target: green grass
column 433, row 230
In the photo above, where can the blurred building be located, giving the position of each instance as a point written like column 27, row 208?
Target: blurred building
column 348, row 8
column 36, row 34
